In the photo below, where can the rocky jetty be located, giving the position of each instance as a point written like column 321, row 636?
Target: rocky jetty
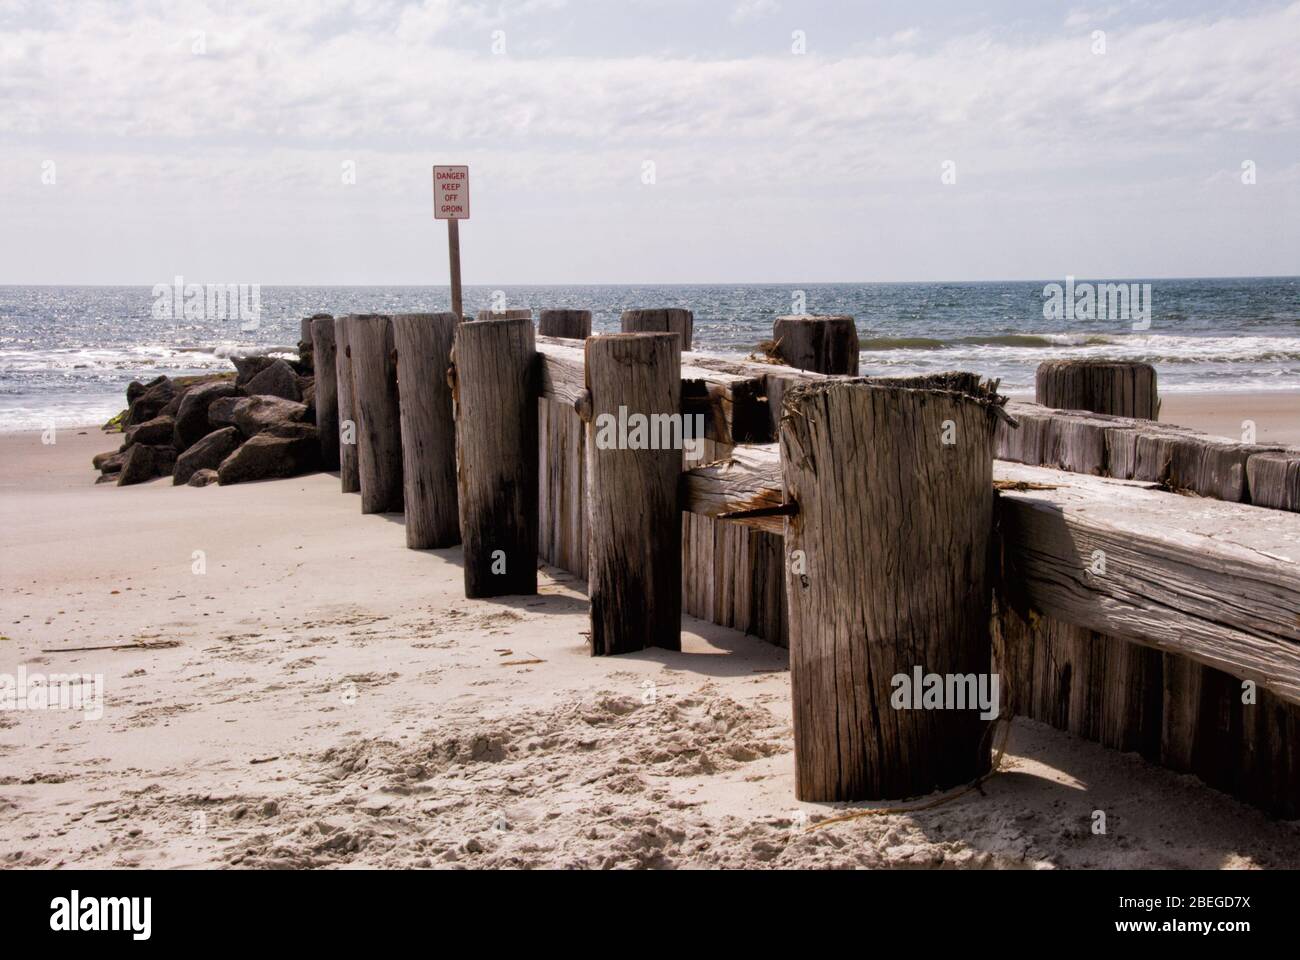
column 254, row 423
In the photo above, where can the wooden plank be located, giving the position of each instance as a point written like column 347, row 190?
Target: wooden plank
column 1170, row 709
column 747, row 480
column 733, row 575
column 1094, row 686
column 1217, row 582
column 562, row 478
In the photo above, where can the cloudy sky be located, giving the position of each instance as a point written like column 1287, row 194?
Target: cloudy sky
column 648, row 140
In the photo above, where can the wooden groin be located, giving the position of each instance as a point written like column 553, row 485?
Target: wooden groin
column 1118, row 573
column 1099, row 677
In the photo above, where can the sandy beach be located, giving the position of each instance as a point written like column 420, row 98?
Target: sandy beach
column 316, row 694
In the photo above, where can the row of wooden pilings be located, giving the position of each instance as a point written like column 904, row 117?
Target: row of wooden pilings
column 888, row 514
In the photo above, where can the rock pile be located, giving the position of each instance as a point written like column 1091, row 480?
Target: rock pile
column 254, row 424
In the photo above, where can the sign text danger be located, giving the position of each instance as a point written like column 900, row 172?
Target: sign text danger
column 451, row 193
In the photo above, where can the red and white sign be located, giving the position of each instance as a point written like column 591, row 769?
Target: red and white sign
column 451, row 193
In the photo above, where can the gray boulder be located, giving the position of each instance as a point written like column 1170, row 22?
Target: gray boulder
column 109, row 462
column 144, row 462
column 192, row 422
column 277, row 379
column 147, row 405
column 266, row 456
column 156, row 431
column 252, row 415
column 201, row 478
column 249, row 367
column 221, row 413
column 135, row 389
column 294, row 431
column 207, row 453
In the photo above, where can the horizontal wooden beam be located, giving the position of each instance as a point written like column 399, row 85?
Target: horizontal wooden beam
column 748, row 482
column 1216, row 581
column 1176, row 457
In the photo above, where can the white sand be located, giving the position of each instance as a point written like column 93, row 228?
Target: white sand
column 334, row 700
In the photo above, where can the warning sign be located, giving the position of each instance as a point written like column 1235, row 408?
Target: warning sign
column 451, row 193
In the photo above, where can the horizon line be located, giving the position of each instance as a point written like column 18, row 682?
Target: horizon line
column 693, row 283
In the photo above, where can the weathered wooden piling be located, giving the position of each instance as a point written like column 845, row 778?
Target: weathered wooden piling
column 514, row 313
column 886, row 577
column 494, row 386
column 661, row 320
column 823, row 344
column 570, row 324
column 327, row 391
column 1273, row 479
column 306, row 343
column 1107, row 684
column 349, row 475
column 634, row 548
column 423, row 342
column 1121, row 389
column 379, row 435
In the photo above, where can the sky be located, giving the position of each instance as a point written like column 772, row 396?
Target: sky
column 648, row 141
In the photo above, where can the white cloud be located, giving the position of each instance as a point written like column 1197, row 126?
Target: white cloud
column 1080, row 17
column 285, row 92
column 746, row 10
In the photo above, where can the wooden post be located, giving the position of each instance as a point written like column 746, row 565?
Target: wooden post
column 453, row 253
column 516, row 313
column 327, row 391
column 379, row 436
column 494, row 385
column 423, row 342
column 1101, row 386
column 820, row 344
column 349, row 476
column 571, row 324
column 634, row 521
column 665, row 320
column 1273, row 478
column 1125, row 390
column 886, row 573
column 306, row 344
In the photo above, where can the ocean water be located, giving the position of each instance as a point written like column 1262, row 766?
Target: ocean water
column 67, row 353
